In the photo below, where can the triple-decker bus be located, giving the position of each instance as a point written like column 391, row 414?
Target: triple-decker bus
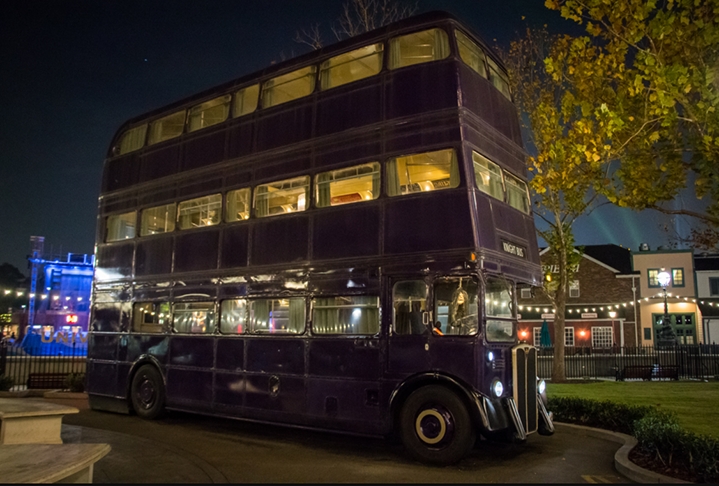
column 332, row 242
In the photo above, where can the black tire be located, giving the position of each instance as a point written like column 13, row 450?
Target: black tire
column 435, row 426
column 148, row 393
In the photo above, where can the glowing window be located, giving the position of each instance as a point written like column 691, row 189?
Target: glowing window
column 167, row 127
column 517, row 195
column 488, row 176
column 471, row 54
column 346, row 315
column 352, row 66
column 419, row 47
column 288, row 196
column 194, row 317
column 348, row 185
column 199, row 212
column 160, row 219
column 498, row 78
column 277, row 316
column 120, row 226
column 288, row 87
column 246, row 100
column 431, row 171
column 238, row 205
column 151, row 317
column 209, row 113
column 133, row 139
column 602, row 337
column 233, row 316
column 677, row 277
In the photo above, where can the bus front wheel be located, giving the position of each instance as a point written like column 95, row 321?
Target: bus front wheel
column 148, row 392
column 435, row 426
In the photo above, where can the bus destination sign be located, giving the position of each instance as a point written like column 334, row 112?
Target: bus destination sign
column 513, row 249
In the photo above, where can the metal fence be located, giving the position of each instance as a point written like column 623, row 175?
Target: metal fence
column 46, row 366
column 697, row 361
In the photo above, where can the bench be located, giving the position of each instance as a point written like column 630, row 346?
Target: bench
column 635, row 371
column 48, row 463
column 25, row 421
column 670, row 371
column 46, row 380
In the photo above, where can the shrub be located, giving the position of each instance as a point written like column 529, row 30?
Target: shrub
column 75, row 382
column 594, row 413
column 6, row 383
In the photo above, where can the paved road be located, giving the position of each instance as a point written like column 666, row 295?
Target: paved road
column 184, row 448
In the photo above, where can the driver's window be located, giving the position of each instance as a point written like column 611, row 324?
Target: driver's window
column 409, row 303
column 455, row 306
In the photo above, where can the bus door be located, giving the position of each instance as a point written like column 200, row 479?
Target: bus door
column 409, row 326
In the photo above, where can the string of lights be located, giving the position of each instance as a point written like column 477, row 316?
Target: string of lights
column 23, row 293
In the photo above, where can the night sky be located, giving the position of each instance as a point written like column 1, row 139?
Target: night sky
column 74, row 71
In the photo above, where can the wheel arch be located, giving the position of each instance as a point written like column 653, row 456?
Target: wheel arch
column 145, row 359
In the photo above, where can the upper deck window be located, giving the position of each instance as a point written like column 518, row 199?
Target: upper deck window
column 517, row 195
column 167, row 127
column 351, row 66
column 120, row 226
column 289, row 86
column 199, row 212
column 471, row 54
column 194, row 317
column 431, row 171
column 288, row 196
column 246, row 100
column 160, row 219
column 488, row 176
column 348, row 185
column 209, row 113
column 277, row 316
column 238, row 205
column 418, row 47
column 498, row 78
column 133, row 139
column 346, row 315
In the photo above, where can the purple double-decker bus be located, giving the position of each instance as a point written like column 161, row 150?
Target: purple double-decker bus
column 333, row 242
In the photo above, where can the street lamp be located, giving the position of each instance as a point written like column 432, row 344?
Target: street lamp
column 666, row 336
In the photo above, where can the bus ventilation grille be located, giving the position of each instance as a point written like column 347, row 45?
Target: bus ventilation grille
column 524, row 361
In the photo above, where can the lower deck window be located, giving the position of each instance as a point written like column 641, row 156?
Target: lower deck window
column 430, row 171
column 160, row 219
column 282, row 197
column 194, row 317
column 348, row 185
column 151, row 317
column 346, row 315
column 233, row 316
column 120, row 226
column 277, row 316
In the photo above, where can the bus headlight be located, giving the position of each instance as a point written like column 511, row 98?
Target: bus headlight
column 497, row 388
column 490, row 356
column 541, row 386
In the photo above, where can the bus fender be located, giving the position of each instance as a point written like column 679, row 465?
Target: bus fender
column 143, row 360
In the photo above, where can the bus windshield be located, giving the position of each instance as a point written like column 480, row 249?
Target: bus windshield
column 456, row 305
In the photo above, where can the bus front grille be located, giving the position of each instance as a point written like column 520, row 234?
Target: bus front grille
column 524, row 374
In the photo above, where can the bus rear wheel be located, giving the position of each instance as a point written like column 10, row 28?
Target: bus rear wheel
column 148, row 393
column 435, row 426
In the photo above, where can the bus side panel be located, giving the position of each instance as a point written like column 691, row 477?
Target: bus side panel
column 240, row 137
column 415, row 224
column 421, row 89
column 234, row 246
column 349, row 107
column 347, row 232
column 197, row 250
column 284, row 126
column 281, row 240
column 454, row 356
column 229, row 375
column 160, row 162
column 189, row 372
column 204, row 150
column 121, row 172
column 154, row 256
column 114, row 262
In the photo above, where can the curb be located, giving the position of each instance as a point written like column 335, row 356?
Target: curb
column 57, row 394
column 621, row 458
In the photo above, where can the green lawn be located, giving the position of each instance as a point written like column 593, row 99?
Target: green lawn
column 696, row 404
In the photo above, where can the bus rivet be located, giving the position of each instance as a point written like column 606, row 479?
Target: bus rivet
column 426, row 347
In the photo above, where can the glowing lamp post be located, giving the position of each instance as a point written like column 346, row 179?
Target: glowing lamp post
column 666, row 336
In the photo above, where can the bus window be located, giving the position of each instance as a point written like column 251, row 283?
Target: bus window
column 167, row 127
column 358, row 315
column 455, row 305
column 246, row 100
column 277, row 316
column 151, row 316
column 409, row 301
column 498, row 78
column 209, row 113
column 488, row 176
column 120, row 226
column 288, row 87
column 348, row 185
column 351, row 66
column 288, row 196
column 194, row 317
column 160, row 219
column 199, row 212
column 425, row 46
column 517, row 195
column 498, row 303
column 233, row 316
column 238, row 205
column 471, row 54
column 133, row 139
column 431, row 171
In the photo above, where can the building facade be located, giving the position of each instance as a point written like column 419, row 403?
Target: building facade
column 706, row 273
